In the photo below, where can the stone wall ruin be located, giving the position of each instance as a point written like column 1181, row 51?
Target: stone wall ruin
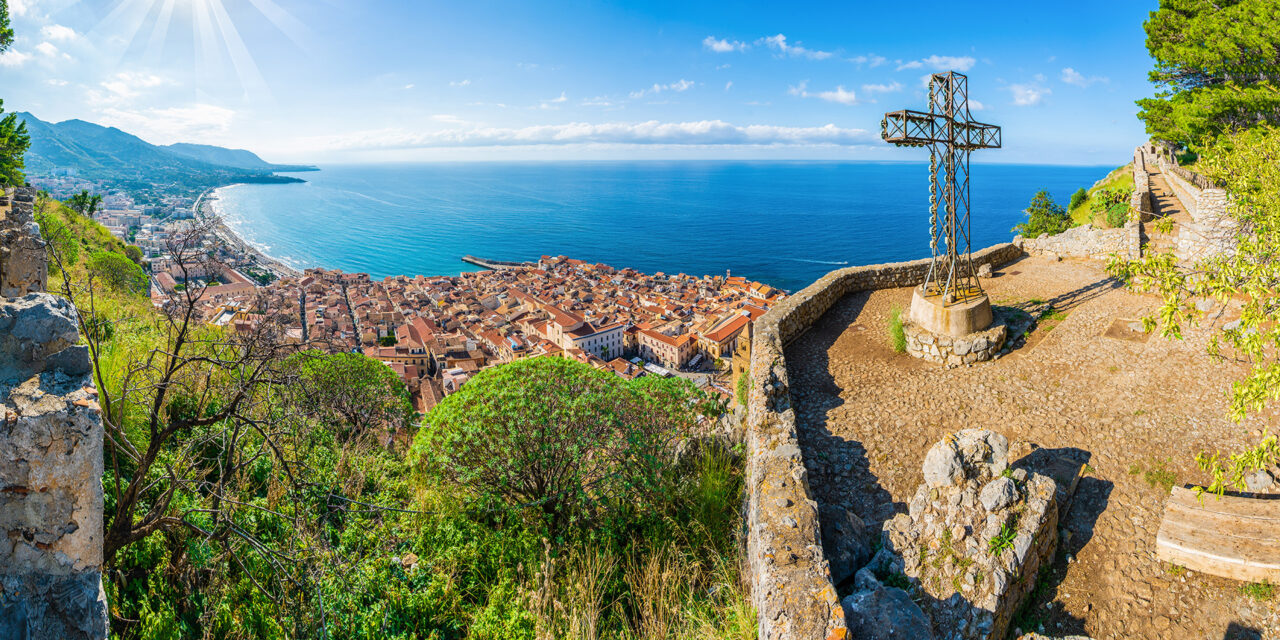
column 51, row 436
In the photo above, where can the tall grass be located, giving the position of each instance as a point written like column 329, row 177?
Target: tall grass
column 897, row 337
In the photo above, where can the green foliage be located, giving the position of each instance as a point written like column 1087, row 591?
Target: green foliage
column 744, row 388
column 133, row 253
column 85, row 204
column 6, row 32
column 1112, row 204
column 1078, row 198
column 14, row 139
column 350, row 394
column 387, row 341
column 897, row 337
column 118, row 272
column 1002, row 540
column 557, row 434
column 1217, row 68
column 1229, row 471
column 1044, row 216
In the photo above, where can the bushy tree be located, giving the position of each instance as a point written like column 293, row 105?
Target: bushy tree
column 6, row 33
column 85, row 204
column 557, row 434
column 118, row 272
column 1044, row 216
column 1217, row 68
column 351, row 394
column 1247, row 164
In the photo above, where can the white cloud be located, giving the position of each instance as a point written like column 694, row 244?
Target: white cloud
column 722, row 66
column 58, row 33
column 19, row 7
column 974, row 105
column 127, row 84
column 723, row 46
column 840, row 95
column 678, row 86
column 47, row 49
column 871, row 60
column 882, row 88
column 13, row 58
column 705, row 132
column 728, row 85
column 1028, row 95
column 779, row 43
column 448, row 118
column 940, row 63
column 553, row 103
column 408, row 86
column 54, row 82
column 562, row 98
column 1071, row 76
column 460, row 83
column 193, row 123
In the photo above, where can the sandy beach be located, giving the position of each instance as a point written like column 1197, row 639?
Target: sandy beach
column 206, row 207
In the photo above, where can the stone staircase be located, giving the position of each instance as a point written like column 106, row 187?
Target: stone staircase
column 1166, row 207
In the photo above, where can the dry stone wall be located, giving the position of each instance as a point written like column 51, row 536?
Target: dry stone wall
column 1213, row 231
column 1086, row 241
column 790, row 574
column 51, row 469
column 23, row 268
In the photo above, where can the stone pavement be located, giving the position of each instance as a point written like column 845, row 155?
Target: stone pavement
column 1135, row 408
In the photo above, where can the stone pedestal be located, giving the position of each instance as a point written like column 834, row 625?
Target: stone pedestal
column 952, row 334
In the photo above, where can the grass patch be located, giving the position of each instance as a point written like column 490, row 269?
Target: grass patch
column 1089, row 210
column 897, row 337
column 1259, row 590
column 1002, row 540
column 1174, row 570
column 1157, row 474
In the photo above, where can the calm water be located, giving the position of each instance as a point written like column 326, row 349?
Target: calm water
column 782, row 223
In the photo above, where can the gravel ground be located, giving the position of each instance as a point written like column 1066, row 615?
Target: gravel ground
column 1137, row 408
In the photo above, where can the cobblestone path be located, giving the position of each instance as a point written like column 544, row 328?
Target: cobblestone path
column 1137, row 408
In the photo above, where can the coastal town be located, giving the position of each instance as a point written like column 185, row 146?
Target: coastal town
column 436, row 332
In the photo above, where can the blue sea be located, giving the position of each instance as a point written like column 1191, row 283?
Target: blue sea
column 783, row 223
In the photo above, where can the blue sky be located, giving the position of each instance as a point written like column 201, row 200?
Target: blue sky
column 391, row 80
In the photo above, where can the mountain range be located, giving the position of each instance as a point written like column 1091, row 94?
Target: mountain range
column 110, row 155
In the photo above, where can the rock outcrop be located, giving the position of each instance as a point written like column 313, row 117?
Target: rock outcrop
column 974, row 538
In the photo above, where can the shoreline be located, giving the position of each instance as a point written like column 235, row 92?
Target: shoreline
column 233, row 240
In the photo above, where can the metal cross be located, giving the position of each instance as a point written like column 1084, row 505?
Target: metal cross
column 948, row 130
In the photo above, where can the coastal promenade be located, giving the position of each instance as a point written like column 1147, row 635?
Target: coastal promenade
column 497, row 265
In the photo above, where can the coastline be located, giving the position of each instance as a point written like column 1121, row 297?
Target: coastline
column 205, row 209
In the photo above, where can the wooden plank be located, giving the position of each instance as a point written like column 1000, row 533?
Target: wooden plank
column 1229, row 540
column 1253, row 507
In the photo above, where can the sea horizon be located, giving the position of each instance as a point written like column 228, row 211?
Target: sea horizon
column 420, row 218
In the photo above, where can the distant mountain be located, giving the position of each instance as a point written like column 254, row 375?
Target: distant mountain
column 238, row 158
column 108, row 154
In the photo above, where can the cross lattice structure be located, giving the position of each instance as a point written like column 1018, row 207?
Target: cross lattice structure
column 951, row 134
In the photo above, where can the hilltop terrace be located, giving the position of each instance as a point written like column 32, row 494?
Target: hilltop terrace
column 437, row 332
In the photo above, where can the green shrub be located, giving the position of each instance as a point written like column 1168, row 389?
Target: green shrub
column 1078, row 198
column 1044, row 216
column 118, row 272
column 897, row 337
column 744, row 388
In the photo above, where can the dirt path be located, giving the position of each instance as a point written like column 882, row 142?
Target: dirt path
column 1137, row 408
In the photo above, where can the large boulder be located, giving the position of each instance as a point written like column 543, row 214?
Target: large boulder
column 885, row 613
column 972, row 454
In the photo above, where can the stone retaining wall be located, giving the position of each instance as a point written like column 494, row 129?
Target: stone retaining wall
column 1213, row 231
column 790, row 576
column 51, row 469
column 1087, row 241
column 1140, row 202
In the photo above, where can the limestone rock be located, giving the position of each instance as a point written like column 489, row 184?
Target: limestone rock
column 998, row 494
column 887, row 613
column 1260, row 481
column 985, row 453
column 984, row 271
column 844, row 541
